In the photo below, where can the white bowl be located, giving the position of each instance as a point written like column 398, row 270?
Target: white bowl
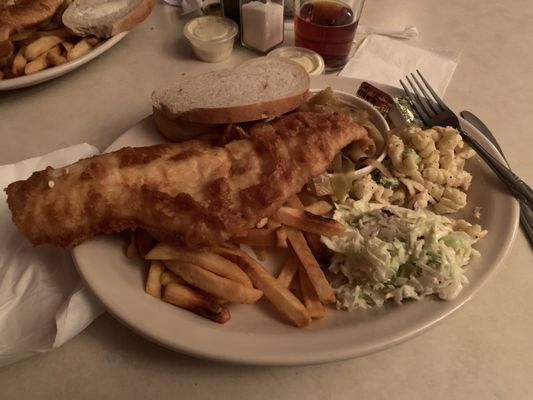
column 375, row 117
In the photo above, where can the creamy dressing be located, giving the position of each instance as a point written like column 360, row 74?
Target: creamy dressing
column 211, row 37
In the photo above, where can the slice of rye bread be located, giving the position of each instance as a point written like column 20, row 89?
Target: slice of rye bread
column 105, row 18
column 260, row 88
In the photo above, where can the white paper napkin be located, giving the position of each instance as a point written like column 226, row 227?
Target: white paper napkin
column 43, row 302
column 386, row 60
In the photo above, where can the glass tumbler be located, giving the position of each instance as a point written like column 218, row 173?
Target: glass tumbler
column 327, row 27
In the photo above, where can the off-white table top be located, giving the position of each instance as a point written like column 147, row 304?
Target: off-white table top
column 484, row 351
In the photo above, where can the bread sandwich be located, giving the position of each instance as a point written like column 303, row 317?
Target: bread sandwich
column 261, row 88
column 105, row 18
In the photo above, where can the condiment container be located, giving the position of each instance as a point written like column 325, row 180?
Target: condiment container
column 309, row 59
column 211, row 37
column 261, row 24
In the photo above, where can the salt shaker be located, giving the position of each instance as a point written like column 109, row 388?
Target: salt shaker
column 261, row 24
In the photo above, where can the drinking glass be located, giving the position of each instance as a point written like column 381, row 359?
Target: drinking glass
column 327, row 27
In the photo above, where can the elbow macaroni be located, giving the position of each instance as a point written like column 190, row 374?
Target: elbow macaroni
column 430, row 167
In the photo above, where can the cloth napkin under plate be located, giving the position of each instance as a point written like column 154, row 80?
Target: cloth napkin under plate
column 43, row 302
column 386, row 60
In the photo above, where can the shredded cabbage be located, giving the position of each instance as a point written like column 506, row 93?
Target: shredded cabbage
column 391, row 252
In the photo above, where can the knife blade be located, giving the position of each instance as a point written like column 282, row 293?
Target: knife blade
column 526, row 214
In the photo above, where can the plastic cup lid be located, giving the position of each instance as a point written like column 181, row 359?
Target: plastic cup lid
column 211, row 28
column 309, row 59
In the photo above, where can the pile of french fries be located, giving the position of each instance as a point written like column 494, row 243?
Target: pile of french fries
column 206, row 281
column 48, row 45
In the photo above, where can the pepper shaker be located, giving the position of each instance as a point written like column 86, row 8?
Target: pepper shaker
column 261, row 24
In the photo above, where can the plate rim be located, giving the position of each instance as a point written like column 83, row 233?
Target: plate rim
column 323, row 356
column 47, row 74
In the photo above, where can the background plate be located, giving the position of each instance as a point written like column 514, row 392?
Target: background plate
column 256, row 334
column 55, row 72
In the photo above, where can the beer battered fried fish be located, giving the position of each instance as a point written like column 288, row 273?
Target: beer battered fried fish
column 193, row 193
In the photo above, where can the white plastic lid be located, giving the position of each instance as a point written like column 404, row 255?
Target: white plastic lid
column 211, row 28
column 309, row 59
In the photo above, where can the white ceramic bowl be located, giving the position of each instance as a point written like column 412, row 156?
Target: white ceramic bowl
column 375, row 117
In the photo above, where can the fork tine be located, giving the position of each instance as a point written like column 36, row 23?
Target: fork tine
column 435, row 96
column 421, row 113
column 430, row 111
column 431, row 104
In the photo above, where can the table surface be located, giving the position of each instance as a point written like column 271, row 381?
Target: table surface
column 483, row 351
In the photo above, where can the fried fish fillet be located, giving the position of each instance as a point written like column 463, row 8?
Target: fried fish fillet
column 192, row 193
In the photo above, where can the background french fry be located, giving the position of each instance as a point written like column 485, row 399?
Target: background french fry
column 36, row 65
column 214, row 284
column 281, row 297
column 79, row 49
column 54, row 56
column 153, row 280
column 196, row 301
column 41, row 46
column 260, row 252
column 314, row 272
column 208, row 260
column 18, row 64
column 93, row 41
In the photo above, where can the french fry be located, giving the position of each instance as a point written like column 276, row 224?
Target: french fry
column 143, row 241
column 131, row 249
column 18, row 64
column 208, row 260
column 18, row 36
column 281, row 297
column 320, row 207
column 93, row 41
column 311, row 300
column 288, row 269
column 54, row 56
column 319, row 249
column 6, row 48
column 294, row 202
column 36, row 65
column 67, row 46
column 168, row 277
column 269, row 237
column 214, row 284
column 262, row 223
column 41, row 46
column 260, row 252
column 153, row 280
column 79, row 49
column 307, row 222
column 196, row 301
column 316, row 275
column 272, row 223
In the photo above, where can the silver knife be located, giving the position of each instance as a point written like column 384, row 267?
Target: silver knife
column 526, row 215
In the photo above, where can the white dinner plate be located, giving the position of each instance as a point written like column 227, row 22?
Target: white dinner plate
column 256, row 334
column 54, row 72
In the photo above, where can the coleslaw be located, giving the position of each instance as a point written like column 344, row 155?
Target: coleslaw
column 390, row 252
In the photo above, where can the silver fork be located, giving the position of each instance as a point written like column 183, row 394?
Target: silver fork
column 434, row 112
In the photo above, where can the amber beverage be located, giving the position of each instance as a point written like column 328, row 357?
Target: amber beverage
column 327, row 27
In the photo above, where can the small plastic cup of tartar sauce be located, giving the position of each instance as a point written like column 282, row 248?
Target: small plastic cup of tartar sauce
column 309, row 59
column 211, row 37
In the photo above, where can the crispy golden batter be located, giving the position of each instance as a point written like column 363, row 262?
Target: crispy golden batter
column 191, row 193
